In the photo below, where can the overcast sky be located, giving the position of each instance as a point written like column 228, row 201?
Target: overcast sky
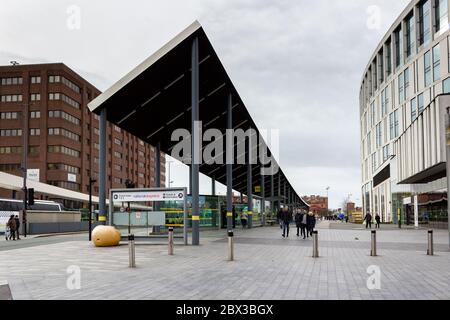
column 297, row 64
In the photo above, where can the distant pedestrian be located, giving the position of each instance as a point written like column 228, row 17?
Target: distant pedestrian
column 279, row 218
column 11, row 224
column 378, row 220
column 17, row 227
column 286, row 217
column 310, row 223
column 304, row 225
column 346, row 219
column 298, row 221
column 244, row 219
column 368, row 220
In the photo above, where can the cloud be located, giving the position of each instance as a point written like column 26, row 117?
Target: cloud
column 297, row 64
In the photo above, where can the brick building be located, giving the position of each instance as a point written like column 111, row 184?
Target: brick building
column 63, row 135
column 318, row 204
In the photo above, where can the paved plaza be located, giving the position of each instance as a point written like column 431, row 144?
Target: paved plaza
column 266, row 267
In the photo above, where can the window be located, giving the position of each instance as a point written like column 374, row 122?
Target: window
column 33, row 151
column 66, row 185
column 388, row 58
column 117, row 129
column 141, row 154
column 35, row 114
column 10, row 150
column 394, row 125
column 410, row 36
column 118, row 167
column 413, row 109
column 63, row 115
column 445, row 84
column 420, row 103
column 374, row 162
column 401, row 88
column 9, row 115
column 64, row 167
column 379, row 133
column 12, row 98
column 117, row 142
column 60, row 96
column 372, row 114
column 386, row 153
column 71, row 85
column 96, row 146
column 441, row 15
column 369, row 146
column 398, row 47
column 436, row 63
column 35, row 132
column 10, row 167
column 54, row 79
column 11, row 133
column 96, row 131
column 35, row 97
column 424, row 23
column 117, row 154
column 35, row 79
column 11, row 81
column 427, row 66
column 64, row 133
column 406, row 82
column 64, row 150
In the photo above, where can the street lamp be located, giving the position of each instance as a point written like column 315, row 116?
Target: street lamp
column 91, row 182
column 168, row 176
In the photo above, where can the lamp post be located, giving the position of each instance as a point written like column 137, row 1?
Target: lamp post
column 168, row 172
column 91, row 182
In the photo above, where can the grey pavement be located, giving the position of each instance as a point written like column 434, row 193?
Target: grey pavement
column 266, row 267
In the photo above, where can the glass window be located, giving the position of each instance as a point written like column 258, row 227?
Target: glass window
column 420, row 103
column 427, row 67
column 401, row 88
column 436, row 63
column 413, row 109
column 446, row 85
column 424, row 23
column 410, row 36
column 441, row 15
column 398, row 47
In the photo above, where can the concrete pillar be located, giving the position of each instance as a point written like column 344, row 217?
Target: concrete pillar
column 229, row 163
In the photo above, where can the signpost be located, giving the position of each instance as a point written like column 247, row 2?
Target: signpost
column 149, row 195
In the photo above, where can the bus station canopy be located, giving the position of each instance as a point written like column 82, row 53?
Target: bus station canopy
column 154, row 99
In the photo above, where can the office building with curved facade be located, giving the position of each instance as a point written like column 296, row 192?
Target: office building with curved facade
column 403, row 106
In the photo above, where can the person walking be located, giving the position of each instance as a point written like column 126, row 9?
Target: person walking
column 304, row 225
column 298, row 221
column 12, row 227
column 279, row 218
column 378, row 221
column 368, row 220
column 310, row 223
column 286, row 217
column 244, row 219
column 17, row 227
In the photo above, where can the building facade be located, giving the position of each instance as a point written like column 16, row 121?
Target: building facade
column 318, row 204
column 50, row 102
column 403, row 97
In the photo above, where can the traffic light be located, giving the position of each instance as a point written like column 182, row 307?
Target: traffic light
column 30, row 196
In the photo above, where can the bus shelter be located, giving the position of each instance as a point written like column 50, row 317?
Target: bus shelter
column 148, row 214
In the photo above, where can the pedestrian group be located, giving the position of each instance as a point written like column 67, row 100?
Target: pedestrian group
column 304, row 221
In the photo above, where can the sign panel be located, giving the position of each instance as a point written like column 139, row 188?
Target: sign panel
column 138, row 214
column 71, row 177
column 258, row 189
column 144, row 196
column 407, row 201
column 157, row 219
column 33, row 175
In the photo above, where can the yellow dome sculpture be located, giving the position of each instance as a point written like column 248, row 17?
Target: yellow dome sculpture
column 105, row 236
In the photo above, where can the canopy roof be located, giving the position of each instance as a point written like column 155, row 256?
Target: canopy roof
column 154, row 99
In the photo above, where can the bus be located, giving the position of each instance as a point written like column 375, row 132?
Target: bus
column 10, row 207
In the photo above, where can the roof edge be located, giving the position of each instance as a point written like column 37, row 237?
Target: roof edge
column 94, row 104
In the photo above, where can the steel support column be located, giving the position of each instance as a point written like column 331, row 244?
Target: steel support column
column 263, row 201
column 195, row 143
column 279, row 191
column 250, row 192
column 102, row 167
column 447, row 139
column 213, row 186
column 272, row 193
column 229, row 162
